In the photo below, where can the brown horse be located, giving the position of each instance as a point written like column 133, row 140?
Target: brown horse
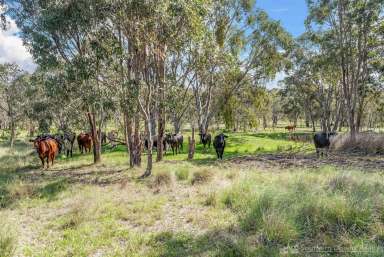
column 46, row 148
column 84, row 140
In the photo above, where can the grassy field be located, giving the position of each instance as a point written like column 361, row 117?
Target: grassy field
column 269, row 197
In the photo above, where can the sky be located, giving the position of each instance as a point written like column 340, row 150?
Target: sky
column 291, row 14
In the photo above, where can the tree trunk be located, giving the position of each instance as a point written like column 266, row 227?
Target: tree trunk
column 191, row 145
column 148, row 170
column 95, row 137
column 137, row 140
column 153, row 121
column 161, row 100
column 13, row 132
column 265, row 125
column 176, row 125
column 128, row 139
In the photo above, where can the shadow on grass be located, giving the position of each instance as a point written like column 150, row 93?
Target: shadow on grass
column 52, row 189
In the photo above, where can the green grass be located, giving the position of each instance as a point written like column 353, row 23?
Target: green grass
column 202, row 207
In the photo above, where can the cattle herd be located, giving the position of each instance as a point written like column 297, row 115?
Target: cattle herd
column 48, row 146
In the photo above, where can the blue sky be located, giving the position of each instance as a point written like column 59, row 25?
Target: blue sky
column 291, row 13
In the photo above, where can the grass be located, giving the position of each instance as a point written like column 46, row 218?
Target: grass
column 202, row 207
column 7, row 238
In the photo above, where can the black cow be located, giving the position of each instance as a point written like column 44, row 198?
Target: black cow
column 205, row 139
column 322, row 141
column 69, row 140
column 66, row 142
column 219, row 144
column 154, row 143
column 175, row 141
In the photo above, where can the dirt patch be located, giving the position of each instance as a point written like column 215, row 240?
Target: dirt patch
column 365, row 163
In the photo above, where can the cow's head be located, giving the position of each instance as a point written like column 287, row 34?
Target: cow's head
column 35, row 142
column 221, row 138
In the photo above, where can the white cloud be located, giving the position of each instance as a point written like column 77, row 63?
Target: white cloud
column 12, row 49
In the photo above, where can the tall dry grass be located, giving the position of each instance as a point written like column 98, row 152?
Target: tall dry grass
column 365, row 143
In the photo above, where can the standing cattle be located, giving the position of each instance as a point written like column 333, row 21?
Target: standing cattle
column 66, row 142
column 219, row 144
column 290, row 128
column 84, row 140
column 154, row 143
column 175, row 141
column 46, row 147
column 322, row 142
column 205, row 139
column 103, row 137
column 68, row 139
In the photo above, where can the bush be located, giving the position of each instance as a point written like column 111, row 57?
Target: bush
column 211, row 199
column 201, row 176
column 182, row 173
column 162, row 178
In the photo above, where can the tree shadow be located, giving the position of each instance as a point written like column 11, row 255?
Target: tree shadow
column 52, row 189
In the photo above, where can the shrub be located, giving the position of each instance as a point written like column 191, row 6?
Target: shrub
column 182, row 173
column 162, row 178
column 201, row 176
column 211, row 199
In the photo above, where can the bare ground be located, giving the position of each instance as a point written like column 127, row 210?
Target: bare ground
column 287, row 160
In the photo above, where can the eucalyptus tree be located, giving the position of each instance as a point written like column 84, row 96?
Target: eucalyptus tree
column 241, row 39
column 12, row 95
column 347, row 30
column 179, row 95
column 316, row 79
column 66, row 34
column 147, row 32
